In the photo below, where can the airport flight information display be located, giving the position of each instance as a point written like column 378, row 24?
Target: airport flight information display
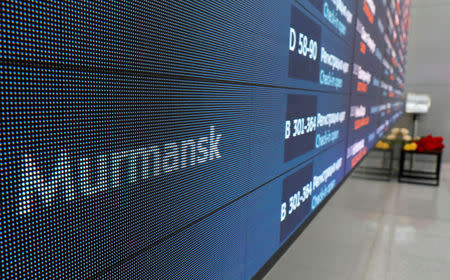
column 184, row 140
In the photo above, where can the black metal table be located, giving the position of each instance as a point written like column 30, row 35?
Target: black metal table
column 413, row 176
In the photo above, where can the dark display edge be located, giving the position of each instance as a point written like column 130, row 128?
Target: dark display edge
column 287, row 244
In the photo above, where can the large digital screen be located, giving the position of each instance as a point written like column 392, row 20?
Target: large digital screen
column 184, row 139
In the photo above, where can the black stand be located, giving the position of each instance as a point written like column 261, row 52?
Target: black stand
column 419, row 177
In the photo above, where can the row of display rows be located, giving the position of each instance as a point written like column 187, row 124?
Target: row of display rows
column 388, row 25
column 233, row 241
column 154, row 155
column 279, row 44
column 376, row 51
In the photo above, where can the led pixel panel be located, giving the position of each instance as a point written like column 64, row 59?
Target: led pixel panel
column 168, row 139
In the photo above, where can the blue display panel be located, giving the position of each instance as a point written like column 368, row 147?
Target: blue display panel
column 338, row 15
column 378, row 67
column 267, row 228
column 159, row 139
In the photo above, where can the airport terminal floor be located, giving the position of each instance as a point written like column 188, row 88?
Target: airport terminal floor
column 375, row 230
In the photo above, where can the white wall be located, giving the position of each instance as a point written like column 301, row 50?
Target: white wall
column 428, row 64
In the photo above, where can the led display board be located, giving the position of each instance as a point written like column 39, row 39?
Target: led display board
column 184, row 139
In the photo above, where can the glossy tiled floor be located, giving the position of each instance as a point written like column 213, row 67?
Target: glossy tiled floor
column 374, row 231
